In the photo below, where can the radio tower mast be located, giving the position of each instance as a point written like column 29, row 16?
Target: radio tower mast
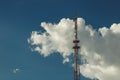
column 76, row 59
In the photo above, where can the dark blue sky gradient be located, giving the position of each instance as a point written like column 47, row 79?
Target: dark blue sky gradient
column 18, row 18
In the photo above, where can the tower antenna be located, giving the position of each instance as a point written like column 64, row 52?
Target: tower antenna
column 76, row 48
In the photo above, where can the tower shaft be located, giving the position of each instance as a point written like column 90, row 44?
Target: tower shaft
column 76, row 59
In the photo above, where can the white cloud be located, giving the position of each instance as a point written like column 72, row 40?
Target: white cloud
column 66, row 60
column 100, row 49
column 16, row 70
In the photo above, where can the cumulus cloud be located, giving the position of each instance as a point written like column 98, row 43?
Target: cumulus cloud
column 100, row 49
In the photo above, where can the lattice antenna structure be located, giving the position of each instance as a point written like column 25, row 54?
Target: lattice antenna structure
column 76, row 48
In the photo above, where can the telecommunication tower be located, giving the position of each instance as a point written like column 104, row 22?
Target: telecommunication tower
column 76, row 58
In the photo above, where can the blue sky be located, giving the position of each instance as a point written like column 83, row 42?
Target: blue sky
column 18, row 18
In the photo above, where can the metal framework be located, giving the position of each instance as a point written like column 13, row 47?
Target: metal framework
column 76, row 59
